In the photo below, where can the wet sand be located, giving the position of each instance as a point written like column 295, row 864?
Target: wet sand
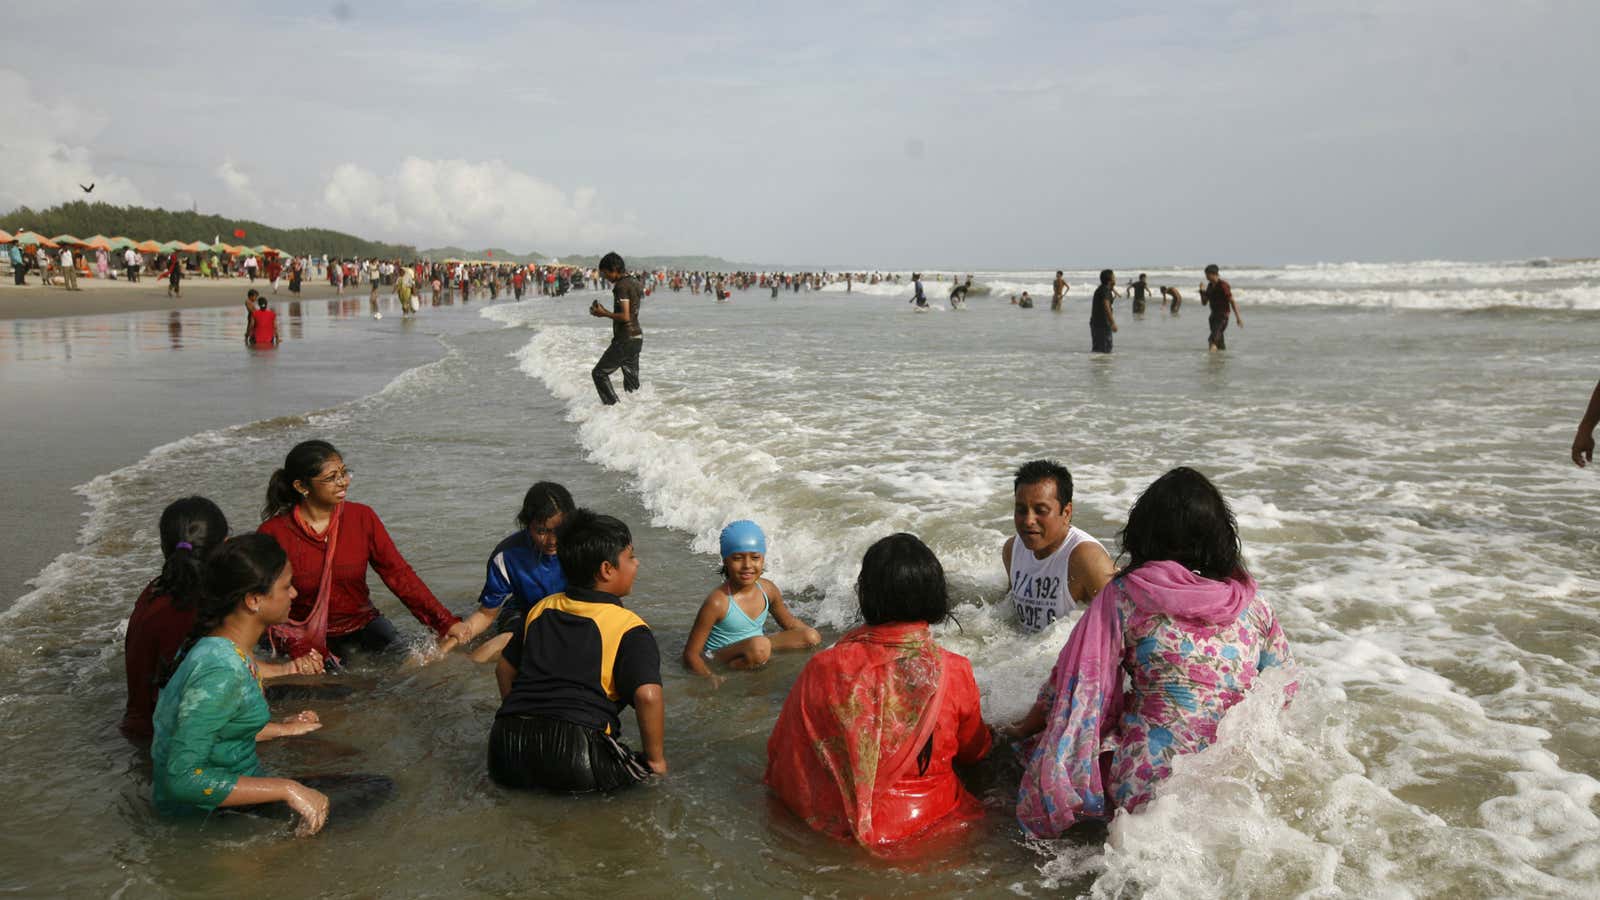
column 98, row 297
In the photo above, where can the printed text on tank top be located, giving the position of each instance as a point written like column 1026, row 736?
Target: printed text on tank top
column 1039, row 587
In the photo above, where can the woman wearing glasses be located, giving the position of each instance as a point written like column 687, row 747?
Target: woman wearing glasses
column 306, row 512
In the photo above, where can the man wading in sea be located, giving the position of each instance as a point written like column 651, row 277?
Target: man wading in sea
column 1218, row 295
column 1061, row 287
column 627, row 338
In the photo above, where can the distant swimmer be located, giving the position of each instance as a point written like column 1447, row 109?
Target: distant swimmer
column 919, row 298
column 958, row 294
column 262, row 328
column 1050, row 563
column 1102, row 324
column 1139, row 289
column 1026, row 302
column 1218, row 295
column 1176, row 299
column 1060, row 287
column 1583, row 443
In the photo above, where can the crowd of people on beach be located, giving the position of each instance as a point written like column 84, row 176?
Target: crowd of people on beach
column 867, row 743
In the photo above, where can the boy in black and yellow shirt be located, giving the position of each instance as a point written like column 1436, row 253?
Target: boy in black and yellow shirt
column 566, row 675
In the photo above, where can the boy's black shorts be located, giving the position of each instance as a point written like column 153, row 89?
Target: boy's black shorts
column 540, row 752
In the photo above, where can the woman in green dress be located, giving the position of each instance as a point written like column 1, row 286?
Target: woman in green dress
column 211, row 712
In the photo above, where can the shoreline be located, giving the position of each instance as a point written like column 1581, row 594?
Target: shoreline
column 102, row 297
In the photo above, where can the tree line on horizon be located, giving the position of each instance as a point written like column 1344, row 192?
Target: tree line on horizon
column 85, row 220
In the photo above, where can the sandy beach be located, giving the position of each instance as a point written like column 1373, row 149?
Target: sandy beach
column 99, row 296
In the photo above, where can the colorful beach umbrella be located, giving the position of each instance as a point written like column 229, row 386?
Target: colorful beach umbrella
column 120, row 243
column 148, row 246
column 32, row 239
column 171, row 247
column 68, row 239
column 201, row 247
column 6, row 236
column 98, row 242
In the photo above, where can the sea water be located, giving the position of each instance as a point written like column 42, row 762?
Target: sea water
column 1392, row 438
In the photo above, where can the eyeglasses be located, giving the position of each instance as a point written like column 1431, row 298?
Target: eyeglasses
column 336, row 477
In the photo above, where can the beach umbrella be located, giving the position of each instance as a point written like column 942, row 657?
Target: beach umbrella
column 6, row 236
column 31, row 239
column 192, row 247
column 120, row 243
column 201, row 246
column 98, row 242
column 170, row 247
column 148, row 246
column 68, row 239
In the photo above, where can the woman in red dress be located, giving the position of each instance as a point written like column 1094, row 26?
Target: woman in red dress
column 865, row 746
column 306, row 511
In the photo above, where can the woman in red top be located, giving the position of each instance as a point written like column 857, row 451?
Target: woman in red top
column 865, row 746
column 262, row 330
column 165, row 612
column 302, row 499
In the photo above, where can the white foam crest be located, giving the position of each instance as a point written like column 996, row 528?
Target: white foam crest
column 1443, row 299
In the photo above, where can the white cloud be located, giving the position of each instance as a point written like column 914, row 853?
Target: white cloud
column 44, row 152
column 456, row 201
column 238, row 183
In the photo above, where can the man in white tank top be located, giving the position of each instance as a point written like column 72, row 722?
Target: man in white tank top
column 1050, row 563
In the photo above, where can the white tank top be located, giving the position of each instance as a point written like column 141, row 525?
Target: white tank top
column 1039, row 586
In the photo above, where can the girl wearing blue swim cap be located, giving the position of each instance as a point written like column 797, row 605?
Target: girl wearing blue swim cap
column 730, row 628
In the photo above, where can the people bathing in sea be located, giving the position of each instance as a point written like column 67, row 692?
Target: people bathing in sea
column 1183, row 620
column 1218, row 295
column 212, row 712
column 261, row 330
column 1583, row 441
column 1139, row 290
column 1026, row 302
column 1102, row 322
column 730, row 628
column 1171, row 299
column 1050, row 563
column 627, row 338
column 579, row 659
column 918, row 298
column 523, row 569
column 165, row 612
column 865, row 746
column 331, row 542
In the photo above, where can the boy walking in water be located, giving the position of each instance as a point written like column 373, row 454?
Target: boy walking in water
column 1218, row 295
column 1060, row 287
column 627, row 338
column 1101, row 323
column 1051, row 563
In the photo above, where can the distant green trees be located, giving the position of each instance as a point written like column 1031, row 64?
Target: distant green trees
column 137, row 222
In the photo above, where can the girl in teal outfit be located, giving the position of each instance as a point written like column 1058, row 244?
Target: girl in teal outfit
column 211, row 712
column 731, row 626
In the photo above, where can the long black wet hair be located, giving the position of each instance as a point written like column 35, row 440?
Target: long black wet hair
column 543, row 500
column 247, row 564
column 1182, row 517
column 303, row 463
column 190, row 528
column 902, row 580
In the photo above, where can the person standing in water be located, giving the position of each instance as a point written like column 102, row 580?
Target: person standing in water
column 918, row 297
column 1050, row 563
column 1583, row 443
column 1060, row 288
column 1171, row 294
column 627, row 338
column 261, row 330
column 1218, row 295
column 1102, row 324
column 1140, row 289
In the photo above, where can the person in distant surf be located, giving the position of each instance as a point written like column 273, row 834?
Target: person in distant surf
column 731, row 625
column 1183, row 626
column 866, row 745
column 1171, row 299
column 262, row 329
column 1583, row 442
column 522, row 570
column 1218, row 295
column 918, row 297
column 1102, row 322
column 306, row 511
column 1058, row 289
column 627, row 338
column 1050, row 563
column 958, row 293
column 1026, row 302
column 1140, row 290
column 579, row 658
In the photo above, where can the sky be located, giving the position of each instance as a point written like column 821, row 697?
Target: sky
column 871, row 134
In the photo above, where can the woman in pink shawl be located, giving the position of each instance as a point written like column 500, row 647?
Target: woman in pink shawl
column 1183, row 622
column 865, row 745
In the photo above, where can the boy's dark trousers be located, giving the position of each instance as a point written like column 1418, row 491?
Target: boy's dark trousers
column 621, row 354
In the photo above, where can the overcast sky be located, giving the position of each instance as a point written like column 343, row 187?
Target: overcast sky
column 866, row 134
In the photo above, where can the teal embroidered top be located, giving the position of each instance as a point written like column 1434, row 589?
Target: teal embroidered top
column 205, row 728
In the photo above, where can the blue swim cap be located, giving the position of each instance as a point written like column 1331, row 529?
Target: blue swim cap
column 743, row 536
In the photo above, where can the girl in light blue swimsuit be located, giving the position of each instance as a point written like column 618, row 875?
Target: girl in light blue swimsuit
column 731, row 626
